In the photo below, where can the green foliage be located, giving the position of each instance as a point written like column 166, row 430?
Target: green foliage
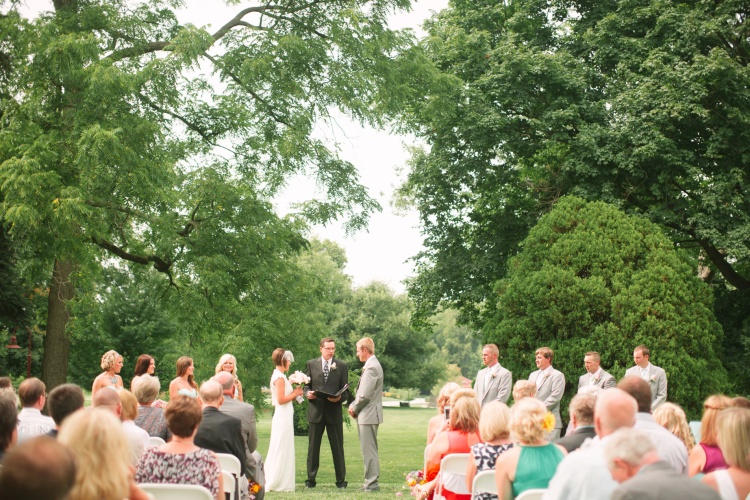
column 589, row 277
column 405, row 394
column 642, row 104
column 731, row 311
column 458, row 344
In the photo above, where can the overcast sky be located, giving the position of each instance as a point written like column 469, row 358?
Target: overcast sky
column 380, row 253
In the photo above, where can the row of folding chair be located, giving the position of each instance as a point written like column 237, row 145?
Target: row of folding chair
column 230, row 471
column 484, row 482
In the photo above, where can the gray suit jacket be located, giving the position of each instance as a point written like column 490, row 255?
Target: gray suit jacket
column 368, row 402
column 657, row 381
column 551, row 392
column 606, row 381
column 245, row 413
column 659, row 481
column 498, row 388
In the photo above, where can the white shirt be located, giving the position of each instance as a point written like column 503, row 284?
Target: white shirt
column 595, row 376
column 323, row 364
column 31, row 423
column 542, row 375
column 583, row 474
column 670, row 448
column 138, row 440
column 645, row 372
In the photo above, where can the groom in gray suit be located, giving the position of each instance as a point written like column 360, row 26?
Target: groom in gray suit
column 494, row 382
column 550, row 386
column 595, row 376
column 367, row 408
column 655, row 376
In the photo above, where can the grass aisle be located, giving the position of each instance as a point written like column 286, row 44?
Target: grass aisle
column 401, row 441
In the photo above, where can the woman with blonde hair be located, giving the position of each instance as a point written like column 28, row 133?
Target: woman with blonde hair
column 443, row 401
column 102, row 457
column 707, row 457
column 462, row 432
column 672, row 417
column 228, row 363
column 184, row 384
column 734, row 440
column 523, row 389
column 494, row 429
column 111, row 364
column 534, row 461
column 138, row 439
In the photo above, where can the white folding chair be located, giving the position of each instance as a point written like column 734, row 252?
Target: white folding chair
column 231, row 464
column 229, row 483
column 453, row 475
column 160, row 491
column 484, row 482
column 695, row 430
column 533, row 494
column 155, row 441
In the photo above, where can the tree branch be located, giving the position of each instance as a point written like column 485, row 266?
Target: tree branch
column 161, row 265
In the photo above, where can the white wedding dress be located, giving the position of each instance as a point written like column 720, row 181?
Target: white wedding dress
column 280, row 457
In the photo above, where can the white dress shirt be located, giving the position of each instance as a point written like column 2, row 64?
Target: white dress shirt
column 31, row 423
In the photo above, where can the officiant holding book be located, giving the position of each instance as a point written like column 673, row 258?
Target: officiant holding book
column 329, row 376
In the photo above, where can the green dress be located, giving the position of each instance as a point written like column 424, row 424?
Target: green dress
column 536, row 466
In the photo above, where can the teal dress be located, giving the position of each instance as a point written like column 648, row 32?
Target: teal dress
column 536, row 466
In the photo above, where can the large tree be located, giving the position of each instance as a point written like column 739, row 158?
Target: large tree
column 130, row 135
column 645, row 104
column 591, row 278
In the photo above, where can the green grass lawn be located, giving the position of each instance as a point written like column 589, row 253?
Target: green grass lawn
column 401, row 442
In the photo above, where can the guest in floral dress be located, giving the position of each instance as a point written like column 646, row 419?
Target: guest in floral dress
column 494, row 429
column 180, row 461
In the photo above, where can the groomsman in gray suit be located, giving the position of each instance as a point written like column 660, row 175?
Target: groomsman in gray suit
column 367, row 408
column 655, row 376
column 550, row 386
column 595, row 376
column 494, row 382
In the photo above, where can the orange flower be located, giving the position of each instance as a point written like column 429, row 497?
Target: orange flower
column 549, row 422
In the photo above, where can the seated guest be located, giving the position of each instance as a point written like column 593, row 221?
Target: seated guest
column 8, row 425
column 583, row 475
column 101, row 454
column 7, row 391
column 138, row 439
column 734, row 441
column 31, row 422
column 670, row 449
column 494, row 422
column 150, row 418
column 707, row 457
column 634, row 462
column 443, row 400
column 39, row 469
column 524, row 389
column 461, row 434
column 740, row 402
column 581, row 421
column 180, row 461
column 672, row 417
column 63, row 401
column 533, row 462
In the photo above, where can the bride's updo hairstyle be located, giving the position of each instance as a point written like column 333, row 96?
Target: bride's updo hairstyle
column 278, row 357
column 527, row 420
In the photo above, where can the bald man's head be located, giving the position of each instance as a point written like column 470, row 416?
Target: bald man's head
column 614, row 410
column 108, row 398
column 226, row 381
column 211, row 395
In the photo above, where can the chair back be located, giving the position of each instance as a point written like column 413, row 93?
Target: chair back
column 484, row 482
column 453, row 475
column 695, row 430
column 155, row 441
column 229, row 463
column 532, row 494
column 229, row 483
column 162, row 491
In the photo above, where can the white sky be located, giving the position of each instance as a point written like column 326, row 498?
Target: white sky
column 381, row 252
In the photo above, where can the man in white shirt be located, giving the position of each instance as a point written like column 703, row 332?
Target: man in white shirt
column 494, row 382
column 31, row 423
column 583, row 474
column 655, row 377
column 670, row 448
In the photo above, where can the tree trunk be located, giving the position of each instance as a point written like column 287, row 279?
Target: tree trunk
column 56, row 342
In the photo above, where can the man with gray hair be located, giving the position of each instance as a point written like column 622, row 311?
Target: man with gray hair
column 583, row 474
column 245, row 413
column 581, row 420
column 634, row 461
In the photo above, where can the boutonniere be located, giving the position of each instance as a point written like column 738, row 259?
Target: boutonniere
column 653, row 378
column 494, row 375
column 333, row 366
column 545, row 376
column 596, row 379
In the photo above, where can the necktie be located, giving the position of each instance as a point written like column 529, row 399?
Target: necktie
column 591, row 379
column 325, row 372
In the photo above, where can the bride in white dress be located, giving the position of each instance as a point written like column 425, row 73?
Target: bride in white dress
column 280, row 457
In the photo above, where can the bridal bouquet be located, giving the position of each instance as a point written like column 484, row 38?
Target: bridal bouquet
column 299, row 378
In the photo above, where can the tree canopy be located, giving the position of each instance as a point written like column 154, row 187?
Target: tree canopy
column 127, row 134
column 591, row 278
column 644, row 104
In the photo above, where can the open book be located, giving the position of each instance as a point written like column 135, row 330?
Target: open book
column 325, row 395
